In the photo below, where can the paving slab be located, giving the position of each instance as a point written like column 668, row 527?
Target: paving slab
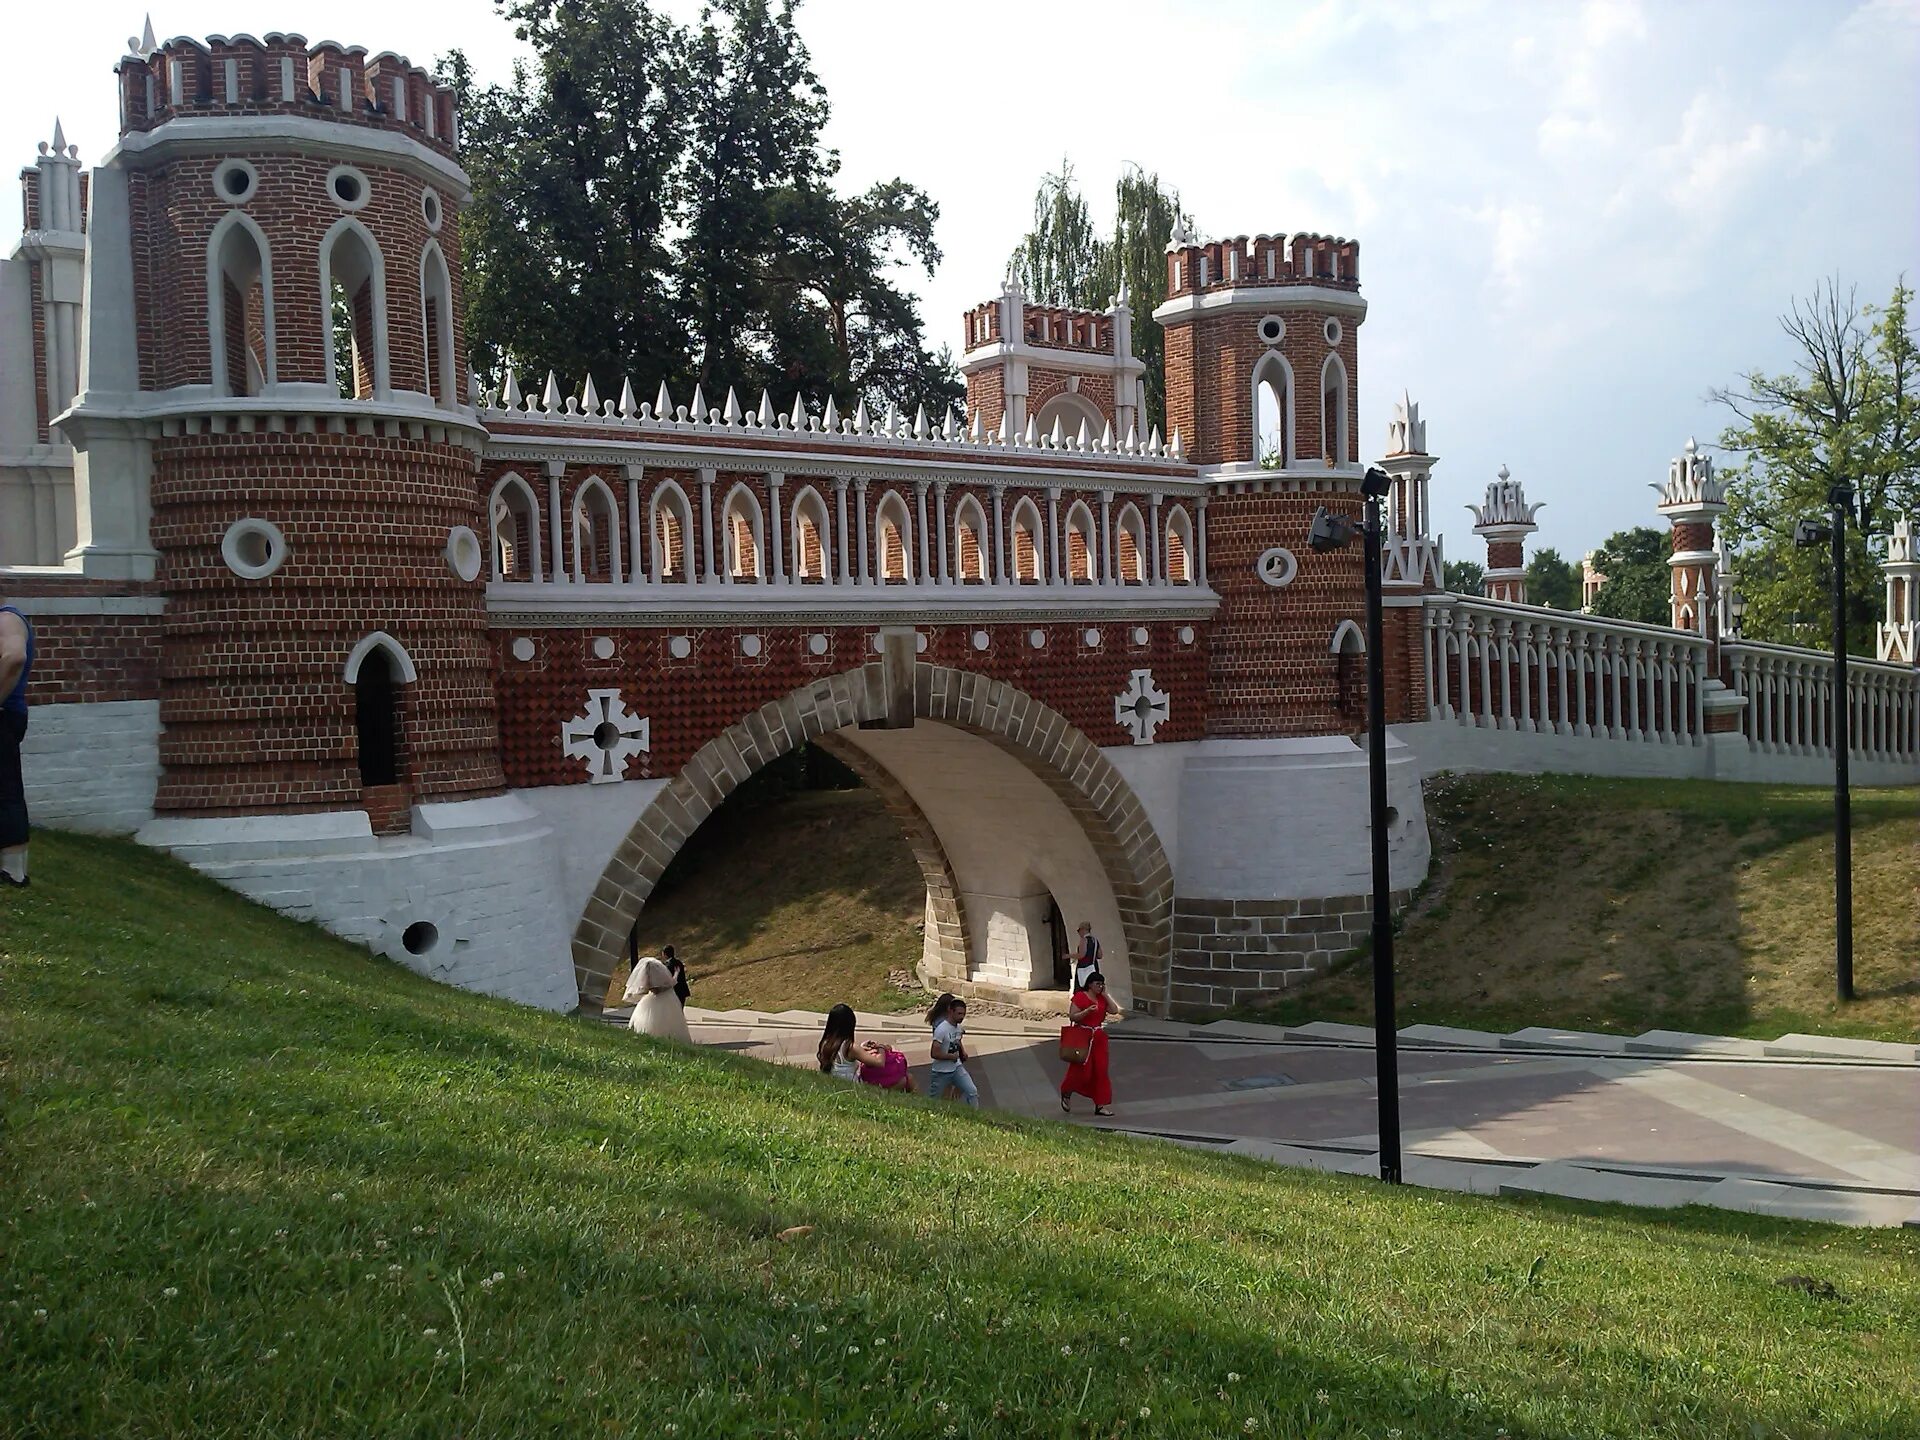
column 1545, row 1037
column 1683, row 1042
column 1436, row 1174
column 1583, row 1182
column 1840, row 1047
column 1451, row 1035
column 1331, row 1030
column 1801, row 1202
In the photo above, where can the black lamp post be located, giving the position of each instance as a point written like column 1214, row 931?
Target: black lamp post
column 1335, row 532
column 1808, row 534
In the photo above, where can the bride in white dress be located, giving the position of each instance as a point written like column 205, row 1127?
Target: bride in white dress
column 657, row 1010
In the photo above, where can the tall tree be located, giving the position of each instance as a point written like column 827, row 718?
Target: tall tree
column 1638, row 584
column 1064, row 260
column 1462, row 577
column 1848, row 410
column 1552, row 581
column 565, row 246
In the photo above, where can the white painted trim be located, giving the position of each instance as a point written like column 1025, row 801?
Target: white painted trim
column 1080, row 407
column 285, row 134
column 442, row 343
column 1142, row 556
column 1289, row 403
column 1333, row 362
column 512, row 604
column 656, row 552
column 903, row 521
column 729, row 550
column 1263, row 298
column 983, row 539
column 382, row 379
column 1343, row 632
column 1037, row 532
column 216, row 300
column 1103, row 362
column 586, row 488
column 809, row 503
column 86, row 604
column 501, row 486
column 381, row 640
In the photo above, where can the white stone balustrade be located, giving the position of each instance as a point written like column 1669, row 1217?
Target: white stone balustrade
column 1789, row 695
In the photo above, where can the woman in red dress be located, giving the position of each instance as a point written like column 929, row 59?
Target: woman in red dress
column 1090, row 1007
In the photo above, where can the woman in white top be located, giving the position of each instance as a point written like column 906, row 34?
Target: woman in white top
column 846, row 1057
column 657, row 1010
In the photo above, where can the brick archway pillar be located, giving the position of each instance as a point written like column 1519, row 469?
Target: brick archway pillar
column 1040, row 738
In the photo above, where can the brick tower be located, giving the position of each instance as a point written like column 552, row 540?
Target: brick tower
column 1505, row 521
column 1262, row 387
column 1692, row 498
column 287, row 384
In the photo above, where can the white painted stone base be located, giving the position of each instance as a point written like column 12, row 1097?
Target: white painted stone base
column 1449, row 745
column 477, row 883
column 92, row 767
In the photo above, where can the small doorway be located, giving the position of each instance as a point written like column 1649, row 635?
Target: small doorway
column 1062, row 951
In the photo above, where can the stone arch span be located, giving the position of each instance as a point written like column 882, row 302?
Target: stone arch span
column 1122, row 848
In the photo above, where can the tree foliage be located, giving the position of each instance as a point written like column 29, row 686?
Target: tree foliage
column 1552, row 581
column 1463, row 577
column 1638, row 584
column 654, row 202
column 1064, row 260
column 1848, row 410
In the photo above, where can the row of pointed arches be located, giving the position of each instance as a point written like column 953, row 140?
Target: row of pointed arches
column 244, row 315
column 808, row 538
column 1276, row 413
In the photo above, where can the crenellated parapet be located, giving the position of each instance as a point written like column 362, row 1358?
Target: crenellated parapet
column 282, row 75
column 1052, row 368
column 1194, row 267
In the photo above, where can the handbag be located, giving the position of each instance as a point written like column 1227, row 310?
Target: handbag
column 1076, row 1043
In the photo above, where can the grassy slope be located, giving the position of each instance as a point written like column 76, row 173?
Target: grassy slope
column 801, row 903
column 1626, row 905
column 262, row 1184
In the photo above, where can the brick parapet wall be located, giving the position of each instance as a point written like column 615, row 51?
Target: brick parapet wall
column 257, row 710
column 688, row 701
column 1229, row 952
column 83, row 656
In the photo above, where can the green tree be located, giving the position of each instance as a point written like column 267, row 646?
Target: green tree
column 1463, row 577
column 1064, row 260
column 1638, row 584
column 1849, row 410
column 1552, row 581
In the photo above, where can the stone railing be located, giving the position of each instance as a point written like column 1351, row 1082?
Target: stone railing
column 1525, row 668
column 1789, row 695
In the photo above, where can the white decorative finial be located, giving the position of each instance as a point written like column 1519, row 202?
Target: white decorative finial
column 59, row 137
column 147, row 43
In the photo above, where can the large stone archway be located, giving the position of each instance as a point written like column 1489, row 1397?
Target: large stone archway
column 1064, row 760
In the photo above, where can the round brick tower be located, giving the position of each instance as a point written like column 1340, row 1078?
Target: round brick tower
column 1505, row 521
column 1692, row 499
column 296, row 296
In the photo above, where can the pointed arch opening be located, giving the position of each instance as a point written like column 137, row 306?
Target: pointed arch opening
column 894, row 555
column 969, row 541
column 812, row 560
column 1333, row 411
column 670, row 522
column 1082, row 554
column 1029, row 559
column 436, row 316
column 513, row 513
column 742, row 529
column 377, row 668
column 1130, row 546
column 1179, row 548
column 353, row 311
column 1273, row 417
column 240, row 324
column 1070, row 410
column 596, row 534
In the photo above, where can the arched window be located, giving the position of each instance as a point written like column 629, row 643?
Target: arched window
column 812, row 552
column 1081, row 550
column 1029, row 563
column 672, row 523
column 1179, row 548
column 1071, row 410
column 596, row 534
column 353, row 311
column 895, row 557
column 1349, row 647
column 240, row 307
column 1273, row 418
column 1333, row 410
column 376, row 669
column 436, row 313
column 1130, row 547
column 742, row 535
column 969, row 530
column 515, row 517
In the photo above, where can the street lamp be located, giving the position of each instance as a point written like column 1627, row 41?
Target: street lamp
column 1331, row 531
column 1808, row 535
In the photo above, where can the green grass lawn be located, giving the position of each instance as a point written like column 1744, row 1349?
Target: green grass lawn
column 1629, row 905
column 257, row 1183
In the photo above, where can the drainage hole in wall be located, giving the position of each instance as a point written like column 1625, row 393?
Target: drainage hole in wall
column 420, row 937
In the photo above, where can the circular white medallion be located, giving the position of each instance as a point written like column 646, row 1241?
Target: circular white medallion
column 1186, row 634
column 234, row 181
column 1092, row 637
column 253, row 549
column 1037, row 639
column 919, row 643
column 523, row 647
column 980, row 639
column 816, row 644
column 463, row 552
column 1272, row 329
column 1276, row 566
column 348, row 188
column 603, row 647
column 1139, row 634
column 750, row 645
column 1332, row 330
column 679, row 647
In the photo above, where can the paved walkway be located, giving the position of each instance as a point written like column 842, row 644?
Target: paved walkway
column 1660, row 1120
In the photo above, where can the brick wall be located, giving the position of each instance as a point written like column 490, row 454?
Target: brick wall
column 1228, row 952
column 1210, row 362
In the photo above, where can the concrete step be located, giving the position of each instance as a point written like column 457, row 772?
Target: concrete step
column 1801, row 1202
column 1840, row 1047
column 1438, row 1174
column 1545, row 1037
column 1339, row 1162
column 1684, row 1042
column 1581, row 1182
column 1451, row 1035
column 1331, row 1030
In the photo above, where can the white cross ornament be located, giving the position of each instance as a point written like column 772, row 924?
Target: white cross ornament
column 1141, row 706
column 606, row 736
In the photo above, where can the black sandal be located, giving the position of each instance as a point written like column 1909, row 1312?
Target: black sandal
column 1104, row 1110
column 1066, row 1105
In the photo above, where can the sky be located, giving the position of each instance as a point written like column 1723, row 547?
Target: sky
column 1575, row 219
